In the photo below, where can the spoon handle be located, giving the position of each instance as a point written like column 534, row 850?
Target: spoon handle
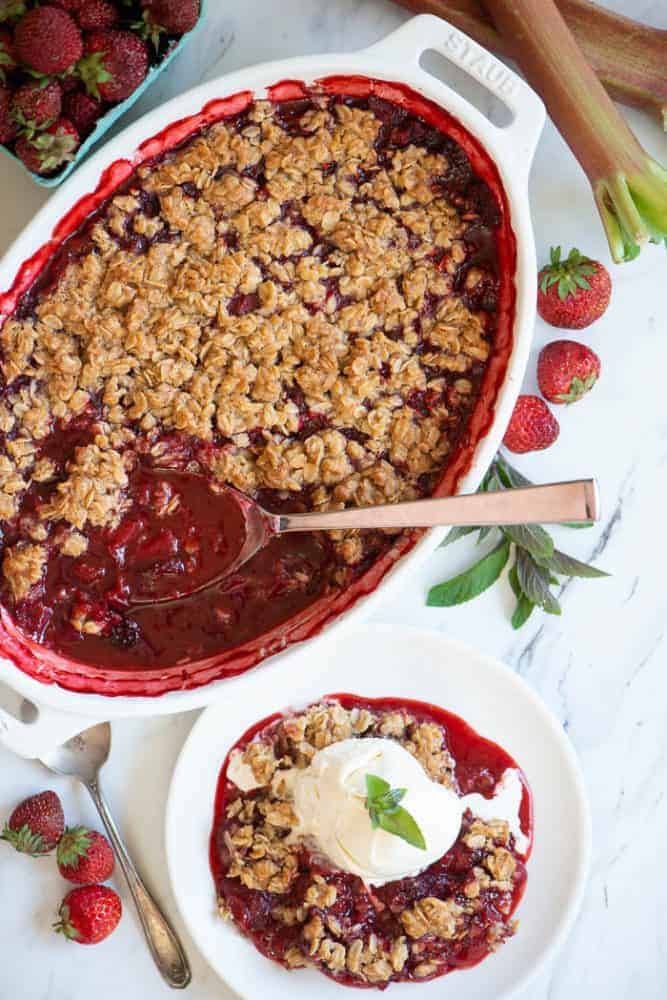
column 164, row 945
column 575, row 501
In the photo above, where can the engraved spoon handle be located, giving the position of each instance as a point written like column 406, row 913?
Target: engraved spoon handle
column 163, row 943
column 575, row 501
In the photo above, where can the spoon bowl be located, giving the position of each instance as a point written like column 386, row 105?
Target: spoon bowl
column 83, row 755
column 576, row 501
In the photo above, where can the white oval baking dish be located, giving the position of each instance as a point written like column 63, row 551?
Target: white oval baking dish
column 396, row 58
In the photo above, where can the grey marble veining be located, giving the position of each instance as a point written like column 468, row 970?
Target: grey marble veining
column 601, row 668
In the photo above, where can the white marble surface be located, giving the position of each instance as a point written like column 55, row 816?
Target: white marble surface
column 600, row 668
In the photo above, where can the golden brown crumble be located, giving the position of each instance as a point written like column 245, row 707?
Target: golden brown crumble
column 22, row 566
column 215, row 303
column 261, row 759
column 320, row 894
column 426, row 742
column 93, row 490
column 430, row 915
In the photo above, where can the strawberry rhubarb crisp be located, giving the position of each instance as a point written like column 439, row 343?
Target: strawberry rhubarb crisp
column 305, row 300
column 376, row 841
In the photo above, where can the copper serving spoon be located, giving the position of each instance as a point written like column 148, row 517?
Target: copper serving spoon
column 574, row 502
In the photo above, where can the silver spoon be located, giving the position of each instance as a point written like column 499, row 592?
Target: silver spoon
column 82, row 757
column 576, row 501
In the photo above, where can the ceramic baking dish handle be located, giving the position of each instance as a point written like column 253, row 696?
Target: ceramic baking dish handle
column 429, row 33
column 30, row 730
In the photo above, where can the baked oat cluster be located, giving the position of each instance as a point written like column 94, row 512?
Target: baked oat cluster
column 300, row 300
column 301, row 912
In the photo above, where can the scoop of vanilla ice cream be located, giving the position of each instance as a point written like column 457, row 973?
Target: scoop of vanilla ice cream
column 329, row 801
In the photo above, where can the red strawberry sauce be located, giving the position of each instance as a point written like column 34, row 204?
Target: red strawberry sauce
column 285, row 597
column 479, row 765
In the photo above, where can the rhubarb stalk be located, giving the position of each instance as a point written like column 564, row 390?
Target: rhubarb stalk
column 629, row 58
column 630, row 187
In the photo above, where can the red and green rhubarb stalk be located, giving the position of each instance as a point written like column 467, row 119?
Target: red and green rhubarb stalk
column 627, row 56
column 629, row 186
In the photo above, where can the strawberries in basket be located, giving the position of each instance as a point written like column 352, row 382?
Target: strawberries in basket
column 65, row 63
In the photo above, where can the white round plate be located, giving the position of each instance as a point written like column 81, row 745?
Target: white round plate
column 403, row 662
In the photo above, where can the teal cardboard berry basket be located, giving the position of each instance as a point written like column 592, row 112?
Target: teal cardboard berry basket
column 112, row 116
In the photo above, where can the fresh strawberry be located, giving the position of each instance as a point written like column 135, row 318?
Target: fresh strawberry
column 83, row 110
column 174, row 17
column 572, row 293
column 114, row 65
column 94, row 14
column 69, row 81
column 84, row 856
column 8, row 127
column 7, row 54
column 48, row 40
column 45, row 152
column 36, row 825
column 532, row 426
column 36, row 105
column 566, row 371
column 89, row 914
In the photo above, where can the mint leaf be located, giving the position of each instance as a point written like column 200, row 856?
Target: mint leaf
column 484, row 533
column 514, row 582
column 376, row 787
column 472, row 582
column 534, row 581
column 380, row 796
column 524, row 606
column 382, row 803
column 493, row 482
column 454, row 534
column 532, row 538
column 566, row 565
column 522, row 612
column 402, row 824
column 389, row 802
column 511, row 476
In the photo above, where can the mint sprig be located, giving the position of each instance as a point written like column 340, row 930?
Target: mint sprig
column 537, row 562
column 386, row 813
